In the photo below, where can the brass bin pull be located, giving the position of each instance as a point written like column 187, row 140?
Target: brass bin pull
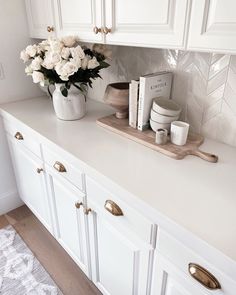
column 203, row 276
column 113, row 208
column 59, row 167
column 50, row 29
column 106, row 30
column 97, row 30
column 87, row 211
column 19, row 136
column 39, row 170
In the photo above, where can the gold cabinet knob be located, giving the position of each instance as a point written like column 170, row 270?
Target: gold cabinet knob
column 39, row 170
column 203, row 276
column 96, row 30
column 87, row 210
column 113, row 208
column 19, row 136
column 50, row 29
column 78, row 204
column 106, row 30
column 59, row 167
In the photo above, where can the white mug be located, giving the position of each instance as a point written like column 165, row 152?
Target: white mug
column 179, row 132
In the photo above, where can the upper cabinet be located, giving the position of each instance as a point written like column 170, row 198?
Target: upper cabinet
column 204, row 25
column 152, row 23
column 213, row 25
column 40, row 18
column 79, row 17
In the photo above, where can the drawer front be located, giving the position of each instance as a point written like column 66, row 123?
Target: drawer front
column 184, row 259
column 22, row 137
column 119, row 213
column 64, row 167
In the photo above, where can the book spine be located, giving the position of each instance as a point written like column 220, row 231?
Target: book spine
column 141, row 104
column 133, row 101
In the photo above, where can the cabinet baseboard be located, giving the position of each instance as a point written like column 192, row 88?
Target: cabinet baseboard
column 9, row 201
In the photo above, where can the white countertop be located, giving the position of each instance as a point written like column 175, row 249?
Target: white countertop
column 198, row 195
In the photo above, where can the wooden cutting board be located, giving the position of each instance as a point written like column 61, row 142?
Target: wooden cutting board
column 147, row 138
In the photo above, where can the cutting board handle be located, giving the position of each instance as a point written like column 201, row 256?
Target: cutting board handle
column 205, row 156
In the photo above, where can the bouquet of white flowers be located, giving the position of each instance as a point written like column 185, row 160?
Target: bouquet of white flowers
column 64, row 61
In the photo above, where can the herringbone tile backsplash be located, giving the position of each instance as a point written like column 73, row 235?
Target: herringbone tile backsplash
column 204, row 85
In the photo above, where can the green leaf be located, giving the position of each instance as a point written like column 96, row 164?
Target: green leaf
column 64, row 91
column 104, row 64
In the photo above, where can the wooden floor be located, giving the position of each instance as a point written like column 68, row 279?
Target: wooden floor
column 66, row 274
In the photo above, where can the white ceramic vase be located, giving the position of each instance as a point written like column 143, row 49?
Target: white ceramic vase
column 72, row 107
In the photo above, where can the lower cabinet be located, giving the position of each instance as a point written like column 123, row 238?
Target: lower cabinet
column 30, row 178
column 121, row 259
column 68, row 216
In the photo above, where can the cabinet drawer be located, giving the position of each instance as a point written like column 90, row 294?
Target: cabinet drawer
column 22, row 136
column 63, row 167
column 99, row 199
column 181, row 257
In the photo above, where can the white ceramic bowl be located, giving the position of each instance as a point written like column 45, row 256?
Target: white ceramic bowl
column 156, row 125
column 165, row 106
column 162, row 118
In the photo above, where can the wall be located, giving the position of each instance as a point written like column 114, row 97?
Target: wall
column 14, row 86
column 204, row 85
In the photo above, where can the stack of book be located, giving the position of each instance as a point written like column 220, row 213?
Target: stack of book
column 141, row 94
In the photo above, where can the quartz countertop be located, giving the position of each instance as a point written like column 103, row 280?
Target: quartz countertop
column 198, row 195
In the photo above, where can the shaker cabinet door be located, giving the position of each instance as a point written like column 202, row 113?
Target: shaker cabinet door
column 213, row 26
column 80, row 18
column 153, row 23
column 40, row 18
column 68, row 216
column 120, row 262
column 31, row 183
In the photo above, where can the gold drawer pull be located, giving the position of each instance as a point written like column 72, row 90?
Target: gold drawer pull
column 50, row 29
column 87, row 211
column 19, row 136
column 96, row 30
column 78, row 204
column 59, row 167
column 113, row 208
column 39, row 170
column 203, row 276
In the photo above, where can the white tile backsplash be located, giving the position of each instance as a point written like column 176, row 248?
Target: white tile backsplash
column 204, row 85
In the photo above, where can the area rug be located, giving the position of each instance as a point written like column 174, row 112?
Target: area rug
column 20, row 272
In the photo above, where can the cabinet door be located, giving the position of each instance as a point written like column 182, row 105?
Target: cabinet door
column 68, row 218
column 79, row 17
column 153, row 23
column 30, row 181
column 120, row 261
column 213, row 25
column 40, row 18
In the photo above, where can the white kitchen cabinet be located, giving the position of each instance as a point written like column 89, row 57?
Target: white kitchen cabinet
column 213, row 26
column 153, row 23
column 30, row 178
column 69, row 222
column 121, row 259
column 78, row 17
column 40, row 14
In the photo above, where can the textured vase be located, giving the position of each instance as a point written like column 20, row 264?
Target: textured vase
column 72, row 107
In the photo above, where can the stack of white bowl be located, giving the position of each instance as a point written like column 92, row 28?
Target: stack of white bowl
column 163, row 112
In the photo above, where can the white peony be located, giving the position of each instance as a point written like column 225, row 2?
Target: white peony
column 77, row 52
column 36, row 63
column 51, row 60
column 55, row 45
column 84, row 62
column 69, row 41
column 24, row 56
column 38, row 77
column 65, row 53
column 31, row 50
column 93, row 63
column 28, row 70
column 68, row 70
column 59, row 66
column 44, row 46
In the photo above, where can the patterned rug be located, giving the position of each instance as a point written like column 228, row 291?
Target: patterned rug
column 20, row 272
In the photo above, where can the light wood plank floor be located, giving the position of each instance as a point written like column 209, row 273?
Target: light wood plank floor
column 66, row 274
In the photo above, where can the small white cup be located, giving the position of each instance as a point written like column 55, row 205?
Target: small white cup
column 179, row 132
